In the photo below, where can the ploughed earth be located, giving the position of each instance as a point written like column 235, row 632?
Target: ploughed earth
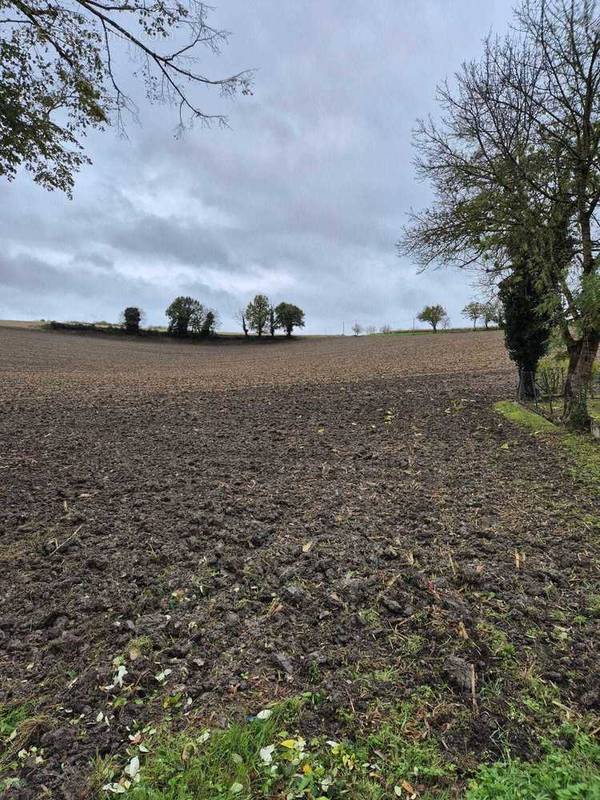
column 192, row 532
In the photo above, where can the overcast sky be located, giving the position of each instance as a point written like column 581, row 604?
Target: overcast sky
column 302, row 198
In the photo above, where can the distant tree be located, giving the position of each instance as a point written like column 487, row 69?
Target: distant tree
column 132, row 316
column 288, row 316
column 370, row 329
column 473, row 311
column 210, row 323
column 492, row 311
column 434, row 315
column 385, row 328
column 257, row 313
column 183, row 313
column 240, row 315
column 273, row 321
column 357, row 328
column 527, row 328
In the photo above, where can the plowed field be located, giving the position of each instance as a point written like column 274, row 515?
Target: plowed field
column 191, row 533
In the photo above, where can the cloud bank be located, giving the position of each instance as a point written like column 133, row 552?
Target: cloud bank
column 302, row 198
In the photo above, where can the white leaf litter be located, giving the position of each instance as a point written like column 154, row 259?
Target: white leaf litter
column 115, row 788
column 266, row 753
column 264, row 714
column 133, row 768
column 118, row 678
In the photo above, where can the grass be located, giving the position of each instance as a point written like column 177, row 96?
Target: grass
column 562, row 774
column 10, row 718
column 527, row 419
column 582, row 449
column 269, row 758
column 16, row 726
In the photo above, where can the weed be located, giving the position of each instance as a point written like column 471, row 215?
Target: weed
column 593, row 605
column 10, row 719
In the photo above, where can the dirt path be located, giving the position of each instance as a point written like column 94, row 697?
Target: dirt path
column 355, row 538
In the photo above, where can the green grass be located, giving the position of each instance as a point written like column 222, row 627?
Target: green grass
column 583, row 449
column 572, row 774
column 526, row 419
column 269, row 758
column 10, row 719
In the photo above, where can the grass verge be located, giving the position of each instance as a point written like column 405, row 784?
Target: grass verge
column 583, row 450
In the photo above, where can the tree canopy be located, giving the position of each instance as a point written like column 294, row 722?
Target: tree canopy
column 288, row 316
column 257, row 313
column 433, row 315
column 59, row 76
column 185, row 314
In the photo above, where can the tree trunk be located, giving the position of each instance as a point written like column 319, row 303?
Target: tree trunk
column 582, row 354
column 527, row 390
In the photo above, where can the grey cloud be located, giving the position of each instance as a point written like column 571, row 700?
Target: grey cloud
column 303, row 197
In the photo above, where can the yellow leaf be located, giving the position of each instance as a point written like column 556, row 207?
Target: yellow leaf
column 289, row 743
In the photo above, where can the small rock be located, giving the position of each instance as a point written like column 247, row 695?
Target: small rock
column 282, row 661
column 590, row 699
column 392, row 605
column 294, row 594
column 460, row 672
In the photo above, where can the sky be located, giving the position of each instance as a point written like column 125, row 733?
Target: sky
column 302, row 198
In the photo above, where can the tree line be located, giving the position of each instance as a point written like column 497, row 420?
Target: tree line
column 514, row 163
column 188, row 316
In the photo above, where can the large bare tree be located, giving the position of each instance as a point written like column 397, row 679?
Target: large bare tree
column 59, row 74
column 515, row 165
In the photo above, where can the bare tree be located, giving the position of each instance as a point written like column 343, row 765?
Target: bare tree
column 515, row 164
column 240, row 315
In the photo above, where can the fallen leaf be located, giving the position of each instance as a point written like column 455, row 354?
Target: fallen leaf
column 266, row 754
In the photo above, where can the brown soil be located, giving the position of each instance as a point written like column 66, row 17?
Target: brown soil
column 268, row 520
